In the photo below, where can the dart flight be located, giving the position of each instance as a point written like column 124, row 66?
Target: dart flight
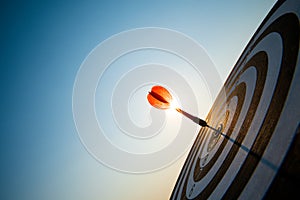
column 160, row 97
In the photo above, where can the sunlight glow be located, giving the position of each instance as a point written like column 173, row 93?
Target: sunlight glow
column 174, row 104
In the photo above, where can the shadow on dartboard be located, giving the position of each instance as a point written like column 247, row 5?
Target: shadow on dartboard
column 261, row 114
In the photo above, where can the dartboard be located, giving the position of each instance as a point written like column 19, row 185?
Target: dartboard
column 258, row 110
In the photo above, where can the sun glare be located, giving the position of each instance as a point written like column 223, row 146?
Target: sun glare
column 174, row 104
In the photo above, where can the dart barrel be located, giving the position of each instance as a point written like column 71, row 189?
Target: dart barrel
column 261, row 112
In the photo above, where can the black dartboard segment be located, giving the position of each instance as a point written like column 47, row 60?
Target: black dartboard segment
column 259, row 109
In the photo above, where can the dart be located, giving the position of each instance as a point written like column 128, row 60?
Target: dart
column 160, row 98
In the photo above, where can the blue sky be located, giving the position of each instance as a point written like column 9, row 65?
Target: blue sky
column 43, row 46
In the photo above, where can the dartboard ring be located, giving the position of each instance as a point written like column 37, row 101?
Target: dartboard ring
column 256, row 91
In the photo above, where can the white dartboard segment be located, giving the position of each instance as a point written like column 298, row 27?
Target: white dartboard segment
column 261, row 115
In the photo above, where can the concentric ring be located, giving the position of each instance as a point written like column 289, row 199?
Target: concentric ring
column 257, row 91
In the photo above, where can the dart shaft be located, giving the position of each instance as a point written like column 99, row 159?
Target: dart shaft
column 195, row 119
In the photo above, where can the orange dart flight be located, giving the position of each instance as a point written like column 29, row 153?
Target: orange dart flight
column 159, row 97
